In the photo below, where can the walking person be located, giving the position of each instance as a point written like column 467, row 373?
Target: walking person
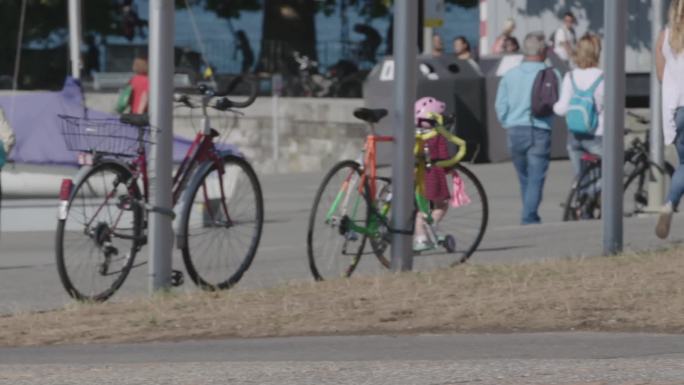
column 564, row 39
column 529, row 135
column 670, row 69
column 581, row 102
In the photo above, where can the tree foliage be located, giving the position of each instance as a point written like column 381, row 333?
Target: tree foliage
column 372, row 8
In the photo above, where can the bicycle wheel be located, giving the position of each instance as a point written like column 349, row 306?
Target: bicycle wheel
column 100, row 233
column 333, row 249
column 463, row 226
column 637, row 187
column 222, row 219
column 584, row 198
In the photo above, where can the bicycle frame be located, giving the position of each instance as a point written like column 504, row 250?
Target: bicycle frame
column 379, row 215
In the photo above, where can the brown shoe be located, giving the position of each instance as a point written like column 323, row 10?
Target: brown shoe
column 662, row 229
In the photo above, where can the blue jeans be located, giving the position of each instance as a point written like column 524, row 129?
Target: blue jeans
column 677, row 187
column 530, row 149
column 579, row 144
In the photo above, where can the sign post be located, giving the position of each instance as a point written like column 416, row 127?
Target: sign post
column 161, row 119
column 75, row 33
column 613, row 141
column 405, row 49
column 656, row 187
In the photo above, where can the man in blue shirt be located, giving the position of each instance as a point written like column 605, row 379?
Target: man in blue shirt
column 529, row 137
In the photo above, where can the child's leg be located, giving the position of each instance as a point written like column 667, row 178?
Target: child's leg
column 439, row 210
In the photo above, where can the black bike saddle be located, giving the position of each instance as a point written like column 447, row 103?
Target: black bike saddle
column 370, row 115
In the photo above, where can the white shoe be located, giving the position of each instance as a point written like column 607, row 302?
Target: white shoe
column 662, row 229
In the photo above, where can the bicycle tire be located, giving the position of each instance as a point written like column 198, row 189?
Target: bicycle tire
column 99, row 235
column 637, row 200
column 350, row 172
column 454, row 224
column 217, row 217
column 585, row 204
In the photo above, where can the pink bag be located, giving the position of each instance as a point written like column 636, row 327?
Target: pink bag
column 459, row 197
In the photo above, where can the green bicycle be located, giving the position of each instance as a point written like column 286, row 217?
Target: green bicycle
column 352, row 210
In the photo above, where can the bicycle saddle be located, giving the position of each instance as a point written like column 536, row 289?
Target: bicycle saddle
column 370, row 115
column 587, row 157
column 135, row 120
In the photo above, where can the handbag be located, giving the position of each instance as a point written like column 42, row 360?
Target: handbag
column 123, row 103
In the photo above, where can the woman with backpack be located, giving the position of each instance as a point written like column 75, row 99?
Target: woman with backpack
column 670, row 69
column 581, row 102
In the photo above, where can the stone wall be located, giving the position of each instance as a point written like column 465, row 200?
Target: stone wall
column 313, row 133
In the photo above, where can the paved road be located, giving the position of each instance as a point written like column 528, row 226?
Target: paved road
column 28, row 279
column 545, row 358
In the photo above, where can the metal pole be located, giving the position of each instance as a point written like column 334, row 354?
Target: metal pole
column 613, row 142
column 405, row 48
column 276, row 84
column 656, row 188
column 75, row 33
column 161, row 118
column 427, row 40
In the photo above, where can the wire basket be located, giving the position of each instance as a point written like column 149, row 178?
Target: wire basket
column 103, row 136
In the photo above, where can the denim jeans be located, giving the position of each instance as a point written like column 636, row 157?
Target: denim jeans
column 530, row 149
column 677, row 187
column 579, row 144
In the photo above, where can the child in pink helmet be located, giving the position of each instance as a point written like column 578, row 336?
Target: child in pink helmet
column 436, row 187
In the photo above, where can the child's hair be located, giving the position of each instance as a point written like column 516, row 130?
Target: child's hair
column 140, row 65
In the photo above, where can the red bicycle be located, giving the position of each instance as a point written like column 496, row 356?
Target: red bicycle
column 102, row 222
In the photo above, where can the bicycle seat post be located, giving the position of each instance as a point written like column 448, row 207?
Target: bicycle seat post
column 206, row 127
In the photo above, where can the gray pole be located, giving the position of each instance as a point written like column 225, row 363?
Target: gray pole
column 161, row 118
column 656, row 191
column 75, row 32
column 613, row 141
column 405, row 48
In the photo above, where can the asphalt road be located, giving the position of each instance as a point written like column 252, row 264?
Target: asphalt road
column 29, row 281
column 544, row 358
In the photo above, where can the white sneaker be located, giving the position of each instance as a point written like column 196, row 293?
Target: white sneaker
column 662, row 229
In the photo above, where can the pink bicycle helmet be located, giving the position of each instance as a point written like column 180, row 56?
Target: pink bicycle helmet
column 424, row 107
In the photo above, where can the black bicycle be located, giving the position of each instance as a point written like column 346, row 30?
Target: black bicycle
column 584, row 198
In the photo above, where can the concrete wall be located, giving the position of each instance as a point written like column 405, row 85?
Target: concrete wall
column 313, row 133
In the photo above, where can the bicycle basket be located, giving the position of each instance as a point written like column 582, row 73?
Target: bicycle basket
column 103, row 136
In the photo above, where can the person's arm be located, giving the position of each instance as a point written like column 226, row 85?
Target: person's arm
column 598, row 96
column 501, row 104
column 142, row 106
column 659, row 56
column 560, row 108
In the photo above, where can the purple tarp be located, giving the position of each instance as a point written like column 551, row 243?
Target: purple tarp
column 38, row 129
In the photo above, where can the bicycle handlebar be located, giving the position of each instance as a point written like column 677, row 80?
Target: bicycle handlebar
column 439, row 129
column 641, row 119
column 224, row 103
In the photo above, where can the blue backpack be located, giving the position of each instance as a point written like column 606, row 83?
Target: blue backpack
column 582, row 116
column 3, row 156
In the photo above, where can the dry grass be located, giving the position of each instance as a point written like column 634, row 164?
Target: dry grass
column 627, row 293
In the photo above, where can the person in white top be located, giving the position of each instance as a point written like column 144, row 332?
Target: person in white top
column 586, row 75
column 564, row 39
column 670, row 69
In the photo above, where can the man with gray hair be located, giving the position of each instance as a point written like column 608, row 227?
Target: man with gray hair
column 529, row 135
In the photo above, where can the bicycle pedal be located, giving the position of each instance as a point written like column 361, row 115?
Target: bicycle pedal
column 177, row 278
column 345, row 223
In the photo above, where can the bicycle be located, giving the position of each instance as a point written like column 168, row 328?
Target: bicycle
column 352, row 207
column 102, row 221
column 584, row 198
